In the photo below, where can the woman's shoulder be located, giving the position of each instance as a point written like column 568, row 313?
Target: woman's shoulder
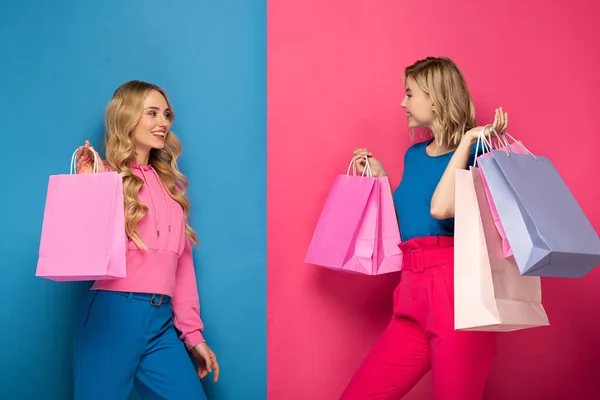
column 418, row 146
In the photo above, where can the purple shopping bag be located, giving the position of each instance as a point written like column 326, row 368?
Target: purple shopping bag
column 83, row 231
column 350, row 235
column 548, row 231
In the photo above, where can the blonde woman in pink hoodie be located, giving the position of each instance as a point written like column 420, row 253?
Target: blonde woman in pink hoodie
column 135, row 331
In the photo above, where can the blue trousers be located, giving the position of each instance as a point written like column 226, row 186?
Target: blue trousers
column 125, row 339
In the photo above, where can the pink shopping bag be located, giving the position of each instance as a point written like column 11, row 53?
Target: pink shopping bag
column 515, row 148
column 389, row 254
column 357, row 230
column 83, row 231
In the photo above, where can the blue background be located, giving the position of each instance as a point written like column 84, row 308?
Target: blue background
column 59, row 65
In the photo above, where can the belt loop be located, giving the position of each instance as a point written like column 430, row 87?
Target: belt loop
column 156, row 303
column 417, row 261
column 130, row 297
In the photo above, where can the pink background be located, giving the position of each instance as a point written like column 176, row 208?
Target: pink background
column 335, row 83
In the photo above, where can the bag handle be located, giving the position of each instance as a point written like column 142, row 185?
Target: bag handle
column 482, row 140
column 74, row 163
column 486, row 143
column 366, row 171
column 508, row 149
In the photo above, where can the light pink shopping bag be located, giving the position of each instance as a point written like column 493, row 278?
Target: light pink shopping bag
column 490, row 294
column 354, row 232
column 83, row 231
column 515, row 148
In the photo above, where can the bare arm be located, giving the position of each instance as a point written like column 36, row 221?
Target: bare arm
column 442, row 202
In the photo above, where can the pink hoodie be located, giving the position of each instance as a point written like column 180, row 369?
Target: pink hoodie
column 167, row 266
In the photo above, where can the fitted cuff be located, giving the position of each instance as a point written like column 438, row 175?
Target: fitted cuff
column 192, row 339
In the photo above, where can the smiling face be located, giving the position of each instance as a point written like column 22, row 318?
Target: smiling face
column 154, row 124
column 418, row 106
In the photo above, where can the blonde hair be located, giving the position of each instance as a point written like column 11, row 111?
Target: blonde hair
column 442, row 80
column 123, row 113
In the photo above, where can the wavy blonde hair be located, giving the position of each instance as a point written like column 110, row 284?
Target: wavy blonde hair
column 123, row 113
column 442, row 80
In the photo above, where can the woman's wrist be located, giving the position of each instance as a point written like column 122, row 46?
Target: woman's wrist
column 468, row 140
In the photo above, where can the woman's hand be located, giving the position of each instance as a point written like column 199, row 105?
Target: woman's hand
column 85, row 159
column 359, row 161
column 500, row 124
column 207, row 361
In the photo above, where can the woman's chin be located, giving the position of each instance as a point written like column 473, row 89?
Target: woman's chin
column 158, row 145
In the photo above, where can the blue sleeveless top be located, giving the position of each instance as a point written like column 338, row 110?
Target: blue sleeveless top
column 412, row 198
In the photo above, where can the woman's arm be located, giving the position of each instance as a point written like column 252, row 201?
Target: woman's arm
column 186, row 302
column 442, row 202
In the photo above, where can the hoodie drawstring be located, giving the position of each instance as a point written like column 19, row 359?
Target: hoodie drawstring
column 153, row 202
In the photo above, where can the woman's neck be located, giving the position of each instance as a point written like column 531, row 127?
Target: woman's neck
column 142, row 157
column 436, row 148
